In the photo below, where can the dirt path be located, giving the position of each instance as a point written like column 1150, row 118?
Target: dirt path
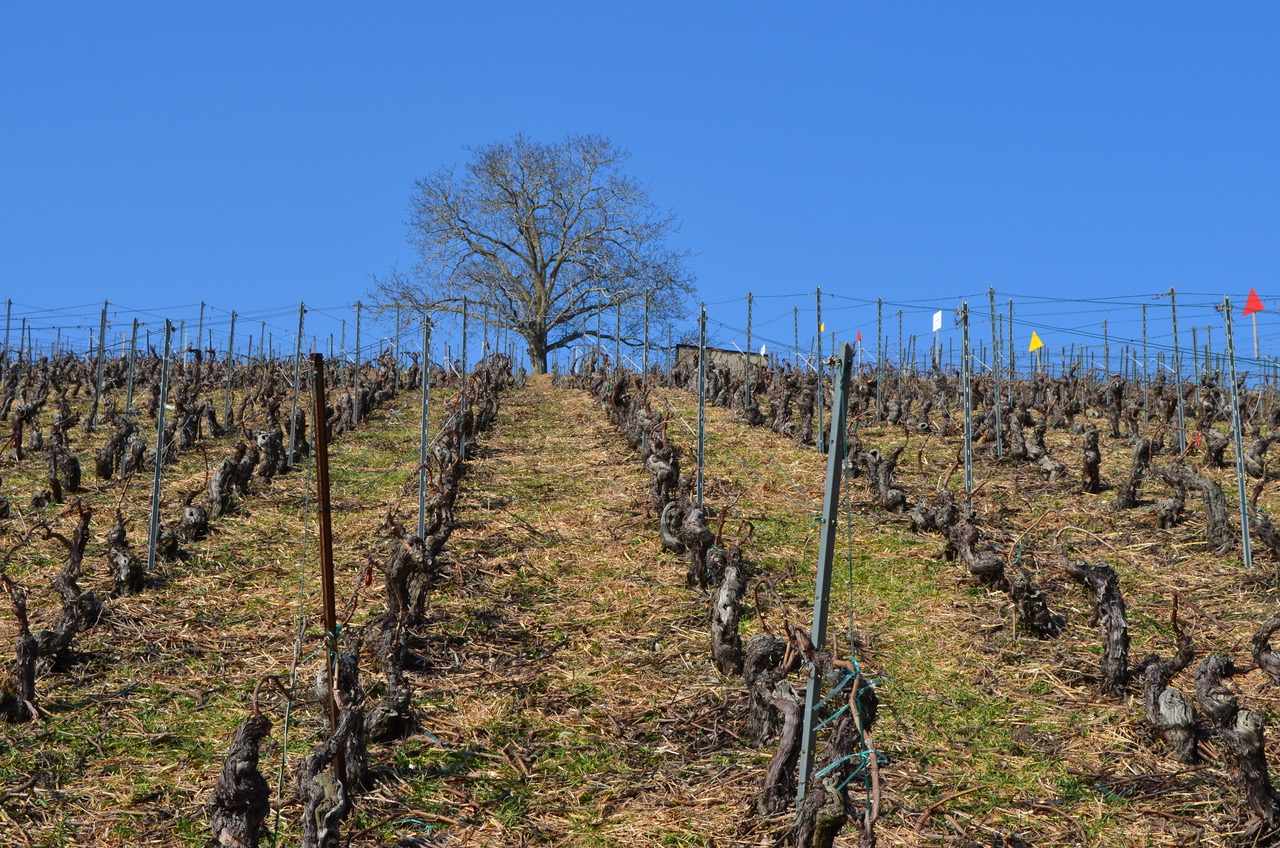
column 580, row 706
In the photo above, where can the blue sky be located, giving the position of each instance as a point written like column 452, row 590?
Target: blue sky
column 256, row 155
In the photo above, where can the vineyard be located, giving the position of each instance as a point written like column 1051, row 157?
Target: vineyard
column 580, row 640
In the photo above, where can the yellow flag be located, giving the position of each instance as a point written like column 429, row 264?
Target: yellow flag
column 1035, row 342
column 822, row 328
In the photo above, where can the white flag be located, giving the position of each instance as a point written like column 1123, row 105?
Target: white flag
column 762, row 350
column 937, row 321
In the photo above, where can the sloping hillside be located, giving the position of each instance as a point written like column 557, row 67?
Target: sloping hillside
column 562, row 680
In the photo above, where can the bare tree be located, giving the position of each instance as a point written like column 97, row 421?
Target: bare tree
column 554, row 239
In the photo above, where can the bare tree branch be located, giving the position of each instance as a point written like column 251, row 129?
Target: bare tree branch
column 542, row 237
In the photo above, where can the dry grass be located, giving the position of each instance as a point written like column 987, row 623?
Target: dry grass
column 135, row 730
column 1009, row 732
column 569, row 697
column 585, row 658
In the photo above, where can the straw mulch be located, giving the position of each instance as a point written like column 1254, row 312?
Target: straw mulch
column 583, row 663
column 567, row 694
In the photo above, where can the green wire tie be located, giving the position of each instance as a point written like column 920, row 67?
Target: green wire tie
column 861, row 771
column 838, row 712
column 832, row 717
column 843, row 683
column 823, row 772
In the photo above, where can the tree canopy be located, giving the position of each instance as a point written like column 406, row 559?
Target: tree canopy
column 547, row 237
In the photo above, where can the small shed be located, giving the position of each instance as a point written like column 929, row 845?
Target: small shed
column 734, row 360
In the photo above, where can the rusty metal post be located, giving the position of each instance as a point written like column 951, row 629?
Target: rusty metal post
column 326, row 529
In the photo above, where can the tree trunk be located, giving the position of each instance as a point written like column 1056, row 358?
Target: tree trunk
column 537, row 351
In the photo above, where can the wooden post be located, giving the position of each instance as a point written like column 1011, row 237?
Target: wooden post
column 966, row 369
column 154, row 535
column 995, row 367
column 702, row 397
column 645, row 357
column 879, row 359
column 746, row 377
column 422, row 434
column 290, row 457
column 231, row 358
column 133, row 350
column 1013, row 350
column 102, row 352
column 1146, row 374
column 356, row 371
column 821, row 440
column 462, row 386
column 1177, row 372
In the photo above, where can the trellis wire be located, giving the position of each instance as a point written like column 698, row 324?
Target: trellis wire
column 811, row 508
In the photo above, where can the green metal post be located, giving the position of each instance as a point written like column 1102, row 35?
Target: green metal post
column 826, row 555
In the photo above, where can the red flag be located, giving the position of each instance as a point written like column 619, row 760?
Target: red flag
column 1253, row 304
column 859, row 338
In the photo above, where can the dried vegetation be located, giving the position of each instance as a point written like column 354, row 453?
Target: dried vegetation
column 585, row 658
